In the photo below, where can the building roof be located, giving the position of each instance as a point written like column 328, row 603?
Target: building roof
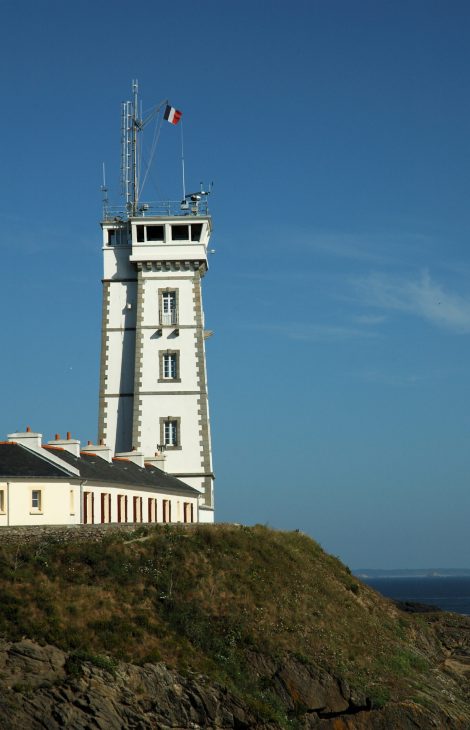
column 122, row 471
column 17, row 461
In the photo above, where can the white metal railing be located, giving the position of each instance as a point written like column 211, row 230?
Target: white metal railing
column 169, row 318
column 171, row 208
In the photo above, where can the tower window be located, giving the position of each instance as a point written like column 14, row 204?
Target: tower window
column 180, row 233
column 140, row 234
column 196, row 230
column 118, row 236
column 169, row 365
column 155, row 233
column 170, row 432
column 169, row 311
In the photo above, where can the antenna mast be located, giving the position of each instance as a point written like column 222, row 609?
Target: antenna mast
column 130, row 125
column 104, row 191
column 136, row 126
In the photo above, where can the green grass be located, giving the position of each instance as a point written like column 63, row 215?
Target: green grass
column 205, row 600
column 75, row 661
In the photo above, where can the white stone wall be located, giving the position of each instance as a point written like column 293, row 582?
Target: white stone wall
column 186, row 458
column 119, row 343
column 176, row 501
column 116, row 262
column 133, row 361
column 62, row 502
column 56, row 505
column 176, row 399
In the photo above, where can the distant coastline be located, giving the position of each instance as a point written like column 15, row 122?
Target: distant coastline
column 365, row 573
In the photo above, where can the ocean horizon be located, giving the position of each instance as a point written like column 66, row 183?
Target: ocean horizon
column 446, row 592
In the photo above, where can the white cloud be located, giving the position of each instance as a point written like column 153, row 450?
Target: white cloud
column 421, row 297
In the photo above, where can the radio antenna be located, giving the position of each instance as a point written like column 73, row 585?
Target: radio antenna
column 131, row 124
column 104, row 191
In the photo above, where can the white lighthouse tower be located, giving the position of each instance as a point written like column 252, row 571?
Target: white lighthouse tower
column 153, row 382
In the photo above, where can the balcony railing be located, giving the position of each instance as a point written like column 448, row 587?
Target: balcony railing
column 167, row 208
column 169, row 318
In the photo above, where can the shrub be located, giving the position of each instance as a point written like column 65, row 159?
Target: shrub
column 75, row 661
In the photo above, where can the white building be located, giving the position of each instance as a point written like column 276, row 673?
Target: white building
column 153, row 383
column 61, row 484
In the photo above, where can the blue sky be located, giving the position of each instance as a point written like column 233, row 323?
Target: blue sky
column 337, row 137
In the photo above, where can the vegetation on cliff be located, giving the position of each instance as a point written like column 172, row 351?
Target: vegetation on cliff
column 267, row 614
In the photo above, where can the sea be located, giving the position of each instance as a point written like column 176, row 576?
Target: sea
column 449, row 593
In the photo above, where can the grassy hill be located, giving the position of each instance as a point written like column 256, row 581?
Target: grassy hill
column 269, row 615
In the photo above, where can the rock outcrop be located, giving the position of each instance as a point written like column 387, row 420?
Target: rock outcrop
column 37, row 691
column 43, row 687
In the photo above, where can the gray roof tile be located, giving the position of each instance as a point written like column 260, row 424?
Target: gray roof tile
column 18, row 461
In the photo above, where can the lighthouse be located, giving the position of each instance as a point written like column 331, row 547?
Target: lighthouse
column 153, row 380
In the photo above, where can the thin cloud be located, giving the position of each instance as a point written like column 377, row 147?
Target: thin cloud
column 377, row 248
column 420, row 297
column 369, row 319
column 316, row 332
column 392, row 379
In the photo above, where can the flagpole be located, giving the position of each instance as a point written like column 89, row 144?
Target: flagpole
column 182, row 161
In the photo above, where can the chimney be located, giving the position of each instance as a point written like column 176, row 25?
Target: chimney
column 33, row 441
column 158, row 460
column 101, row 450
column 137, row 457
column 69, row 444
column 27, row 438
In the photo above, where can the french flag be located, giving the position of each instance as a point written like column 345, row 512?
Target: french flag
column 172, row 115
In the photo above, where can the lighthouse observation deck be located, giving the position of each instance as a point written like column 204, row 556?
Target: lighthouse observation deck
column 193, row 205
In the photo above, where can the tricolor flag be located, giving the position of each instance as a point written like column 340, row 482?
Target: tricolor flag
column 172, row 115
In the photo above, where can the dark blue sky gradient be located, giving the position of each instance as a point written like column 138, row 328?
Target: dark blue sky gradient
column 337, row 136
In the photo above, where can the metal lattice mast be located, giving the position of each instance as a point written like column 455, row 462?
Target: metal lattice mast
column 130, row 125
column 126, row 151
column 136, row 126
